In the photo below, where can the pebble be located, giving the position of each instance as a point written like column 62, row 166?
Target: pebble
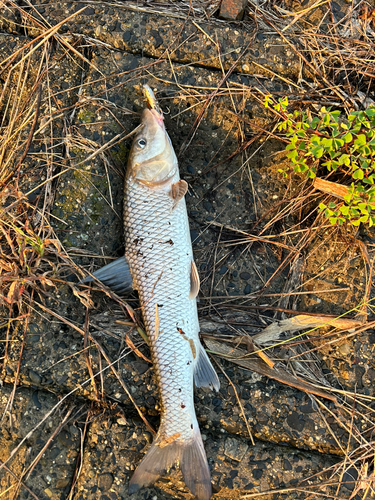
column 35, row 377
column 295, row 422
column 62, row 483
column 344, row 349
column 223, row 270
column 235, row 449
column 245, row 275
column 232, row 10
column 105, row 481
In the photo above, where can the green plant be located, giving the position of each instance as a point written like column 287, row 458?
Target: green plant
column 339, row 142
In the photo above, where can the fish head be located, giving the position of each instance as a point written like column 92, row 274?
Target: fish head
column 152, row 159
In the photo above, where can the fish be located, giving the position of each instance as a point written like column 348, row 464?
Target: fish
column 159, row 264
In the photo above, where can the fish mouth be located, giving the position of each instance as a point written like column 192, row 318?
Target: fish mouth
column 152, row 103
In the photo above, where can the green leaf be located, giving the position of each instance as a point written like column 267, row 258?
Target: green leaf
column 267, row 100
column 292, row 154
column 338, row 143
column 333, row 220
column 355, row 222
column 317, row 151
column 311, row 174
column 358, row 174
column 344, row 209
column 344, row 160
column 322, row 206
column 370, row 112
column 314, row 122
column 327, row 143
column 360, row 140
column 315, row 140
column 365, row 164
column 331, row 204
column 348, row 137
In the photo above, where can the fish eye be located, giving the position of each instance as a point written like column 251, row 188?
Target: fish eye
column 142, row 143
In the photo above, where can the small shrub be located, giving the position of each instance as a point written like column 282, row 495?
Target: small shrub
column 337, row 142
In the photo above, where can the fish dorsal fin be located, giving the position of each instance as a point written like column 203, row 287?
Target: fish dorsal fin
column 194, row 281
column 115, row 275
column 204, row 373
column 178, row 191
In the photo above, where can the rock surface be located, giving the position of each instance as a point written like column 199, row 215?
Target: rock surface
column 92, row 374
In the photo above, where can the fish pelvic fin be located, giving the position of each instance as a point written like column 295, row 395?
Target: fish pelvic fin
column 189, row 455
column 204, row 373
column 116, row 275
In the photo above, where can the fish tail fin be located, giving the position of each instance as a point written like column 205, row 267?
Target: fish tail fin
column 194, row 467
column 189, row 455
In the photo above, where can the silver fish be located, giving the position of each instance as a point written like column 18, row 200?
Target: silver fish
column 159, row 254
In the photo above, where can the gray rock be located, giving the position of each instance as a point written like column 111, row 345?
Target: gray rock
column 235, row 449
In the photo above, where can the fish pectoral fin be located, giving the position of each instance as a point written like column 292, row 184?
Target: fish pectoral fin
column 115, row 275
column 178, row 191
column 194, row 281
column 204, row 373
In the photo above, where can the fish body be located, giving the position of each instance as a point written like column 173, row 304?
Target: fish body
column 159, row 263
column 159, row 253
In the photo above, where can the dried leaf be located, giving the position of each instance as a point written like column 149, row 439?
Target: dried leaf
column 157, row 322
column 54, row 242
column 238, row 356
column 165, row 442
column 130, row 344
column 83, row 297
column 301, row 322
column 13, row 292
column 338, row 190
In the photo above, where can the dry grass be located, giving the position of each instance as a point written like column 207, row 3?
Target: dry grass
column 337, row 68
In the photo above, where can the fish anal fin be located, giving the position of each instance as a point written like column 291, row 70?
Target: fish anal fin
column 194, row 281
column 204, row 373
column 116, row 275
column 178, row 191
column 190, row 456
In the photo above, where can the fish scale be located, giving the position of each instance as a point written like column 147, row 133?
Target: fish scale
column 161, row 273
